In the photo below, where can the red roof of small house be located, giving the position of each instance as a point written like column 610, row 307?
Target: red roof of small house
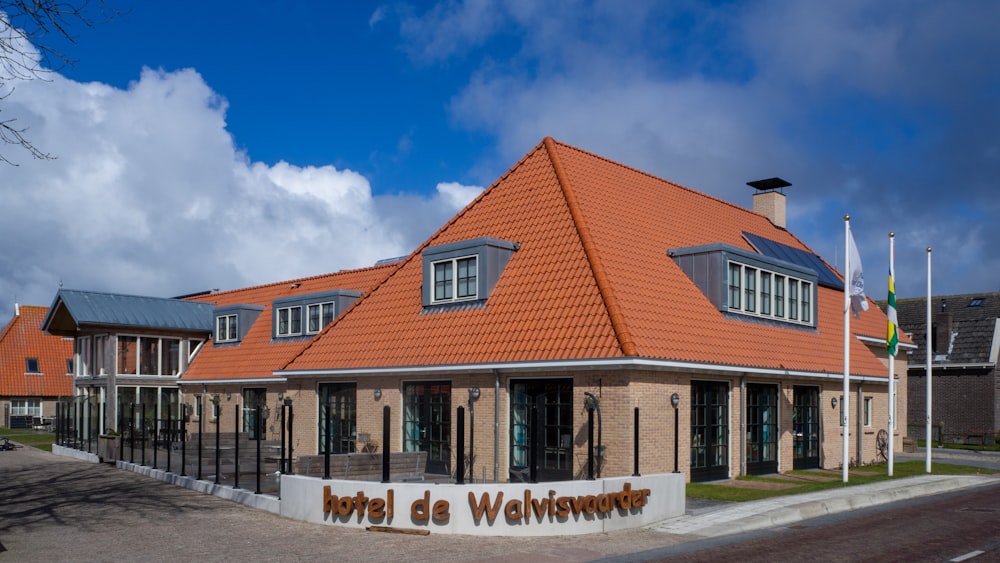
column 257, row 355
column 23, row 338
column 591, row 279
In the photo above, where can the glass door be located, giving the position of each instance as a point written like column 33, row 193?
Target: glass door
column 541, row 430
column 805, row 427
column 709, row 431
column 762, row 429
column 252, row 398
column 427, row 423
column 338, row 409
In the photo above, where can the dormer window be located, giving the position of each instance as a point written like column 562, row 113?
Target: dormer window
column 226, row 328
column 741, row 282
column 319, row 315
column 232, row 322
column 289, row 321
column 463, row 272
column 456, row 279
column 763, row 293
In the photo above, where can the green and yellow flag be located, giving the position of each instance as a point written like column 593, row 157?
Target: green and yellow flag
column 892, row 332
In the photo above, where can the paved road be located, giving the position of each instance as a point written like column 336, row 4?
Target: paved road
column 939, row 528
column 57, row 509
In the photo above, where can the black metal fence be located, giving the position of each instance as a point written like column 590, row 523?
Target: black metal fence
column 177, row 445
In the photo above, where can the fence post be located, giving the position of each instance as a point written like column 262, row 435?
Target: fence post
column 170, row 437
column 260, row 438
column 291, row 419
column 131, row 433
column 635, row 444
column 218, row 423
column 143, row 434
column 281, row 460
column 385, row 444
column 460, row 459
column 183, row 427
column 236, row 458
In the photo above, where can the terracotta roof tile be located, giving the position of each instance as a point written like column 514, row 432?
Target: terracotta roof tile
column 23, row 338
column 591, row 279
column 256, row 356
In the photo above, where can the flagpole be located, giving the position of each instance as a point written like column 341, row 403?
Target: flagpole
column 845, row 400
column 890, row 349
column 928, row 353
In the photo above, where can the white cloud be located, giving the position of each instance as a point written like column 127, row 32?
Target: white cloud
column 149, row 195
column 455, row 195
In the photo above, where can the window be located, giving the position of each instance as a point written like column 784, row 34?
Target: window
column 127, row 355
column 318, row 315
column 21, row 407
column 868, row 412
column 761, row 293
column 171, row 356
column 32, row 365
column 83, row 350
column 149, row 356
column 462, row 272
column 455, row 280
column 765, row 293
column 226, row 328
column 69, row 367
column 289, row 321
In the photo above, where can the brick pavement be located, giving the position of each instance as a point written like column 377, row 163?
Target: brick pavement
column 58, row 509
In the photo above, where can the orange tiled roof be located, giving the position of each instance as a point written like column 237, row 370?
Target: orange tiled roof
column 23, row 338
column 256, row 356
column 591, row 280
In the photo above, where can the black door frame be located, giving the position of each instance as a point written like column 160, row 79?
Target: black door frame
column 430, row 431
column 541, row 429
column 761, row 428
column 342, row 400
column 806, row 431
column 709, row 430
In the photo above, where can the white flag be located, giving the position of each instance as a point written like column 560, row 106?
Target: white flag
column 857, row 279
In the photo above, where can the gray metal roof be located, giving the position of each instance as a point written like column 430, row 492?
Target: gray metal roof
column 93, row 309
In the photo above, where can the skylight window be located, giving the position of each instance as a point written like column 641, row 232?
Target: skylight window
column 976, row 302
column 32, row 365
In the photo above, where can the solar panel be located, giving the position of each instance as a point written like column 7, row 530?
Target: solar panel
column 775, row 249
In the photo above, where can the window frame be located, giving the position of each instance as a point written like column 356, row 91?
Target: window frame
column 774, row 299
column 289, row 321
column 231, row 330
column 455, row 281
column 323, row 318
column 27, row 366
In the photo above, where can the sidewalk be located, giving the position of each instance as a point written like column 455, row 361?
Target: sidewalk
column 734, row 518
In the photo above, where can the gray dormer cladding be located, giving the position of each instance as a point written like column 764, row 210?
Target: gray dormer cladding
column 245, row 317
column 706, row 265
column 341, row 299
column 491, row 255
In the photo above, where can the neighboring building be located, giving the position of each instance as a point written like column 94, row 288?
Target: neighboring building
column 574, row 280
column 128, row 350
column 965, row 341
column 35, row 368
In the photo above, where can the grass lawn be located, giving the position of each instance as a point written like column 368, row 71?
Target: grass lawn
column 800, row 481
column 35, row 438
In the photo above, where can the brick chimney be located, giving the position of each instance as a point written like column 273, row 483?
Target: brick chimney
column 769, row 200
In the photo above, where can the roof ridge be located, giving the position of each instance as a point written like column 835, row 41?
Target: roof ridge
column 417, row 251
column 293, row 280
column 611, row 304
column 661, row 179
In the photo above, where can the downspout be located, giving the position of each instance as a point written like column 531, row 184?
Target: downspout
column 742, row 438
column 496, row 426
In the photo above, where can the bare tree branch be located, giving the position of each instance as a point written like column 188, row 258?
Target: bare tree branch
column 26, row 55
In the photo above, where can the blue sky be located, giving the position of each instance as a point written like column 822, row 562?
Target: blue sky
column 224, row 144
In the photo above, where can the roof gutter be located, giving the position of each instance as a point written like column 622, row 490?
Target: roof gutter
column 592, row 364
column 229, row 381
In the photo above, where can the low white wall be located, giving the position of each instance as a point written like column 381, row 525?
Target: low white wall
column 522, row 509
column 75, row 454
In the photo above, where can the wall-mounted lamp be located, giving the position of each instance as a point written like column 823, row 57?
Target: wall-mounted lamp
column 378, row 393
column 229, row 395
column 281, row 395
column 675, row 400
column 833, row 402
column 474, row 394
